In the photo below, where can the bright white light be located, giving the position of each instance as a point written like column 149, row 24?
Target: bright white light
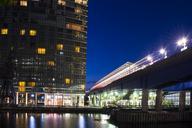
column 182, row 42
column 32, row 95
column 149, row 58
column 162, row 51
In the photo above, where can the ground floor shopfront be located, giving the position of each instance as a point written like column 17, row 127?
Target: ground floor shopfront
column 49, row 99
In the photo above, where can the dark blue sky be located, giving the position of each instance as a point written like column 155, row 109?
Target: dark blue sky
column 127, row 30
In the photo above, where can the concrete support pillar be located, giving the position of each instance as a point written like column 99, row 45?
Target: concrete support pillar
column 182, row 96
column 26, row 98
column 159, row 100
column 191, row 100
column 17, row 97
column 145, row 95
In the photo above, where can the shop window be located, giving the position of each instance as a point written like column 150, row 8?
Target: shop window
column 41, row 51
column 61, row 2
column 32, row 32
column 32, row 84
column 72, row 26
column 22, row 32
column 59, row 47
column 67, row 81
column 77, row 49
column 4, row 31
column 23, row 2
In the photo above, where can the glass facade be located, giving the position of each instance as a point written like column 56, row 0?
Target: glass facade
column 132, row 99
column 49, row 38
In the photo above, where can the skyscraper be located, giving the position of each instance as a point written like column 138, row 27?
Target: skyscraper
column 49, row 38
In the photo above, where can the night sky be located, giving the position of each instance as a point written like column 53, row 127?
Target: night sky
column 128, row 30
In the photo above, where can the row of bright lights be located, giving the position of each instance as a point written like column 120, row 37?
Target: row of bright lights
column 141, row 64
column 180, row 43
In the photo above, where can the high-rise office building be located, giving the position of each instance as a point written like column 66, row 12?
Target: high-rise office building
column 49, row 39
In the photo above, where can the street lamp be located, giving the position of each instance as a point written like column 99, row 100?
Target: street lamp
column 182, row 43
column 163, row 51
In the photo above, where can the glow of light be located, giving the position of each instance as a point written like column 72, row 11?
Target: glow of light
column 81, row 121
column 162, row 51
column 32, row 122
column 32, row 95
column 149, row 58
column 182, row 42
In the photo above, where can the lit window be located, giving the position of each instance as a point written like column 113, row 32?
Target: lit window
column 21, row 89
column 22, row 32
column 32, row 32
column 4, row 31
column 72, row 26
column 41, row 50
column 59, row 46
column 77, row 49
column 82, row 87
column 51, row 63
column 61, row 2
column 78, row 10
column 23, row 2
column 67, row 81
column 32, row 84
column 81, row 1
column 22, row 83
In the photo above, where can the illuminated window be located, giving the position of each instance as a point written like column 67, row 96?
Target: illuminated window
column 59, row 46
column 72, row 26
column 32, row 84
column 51, row 63
column 61, row 2
column 78, row 10
column 81, row 2
column 67, row 81
column 22, row 83
column 4, row 31
column 32, row 32
column 23, row 2
column 82, row 87
column 22, row 32
column 21, row 89
column 41, row 50
column 77, row 49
